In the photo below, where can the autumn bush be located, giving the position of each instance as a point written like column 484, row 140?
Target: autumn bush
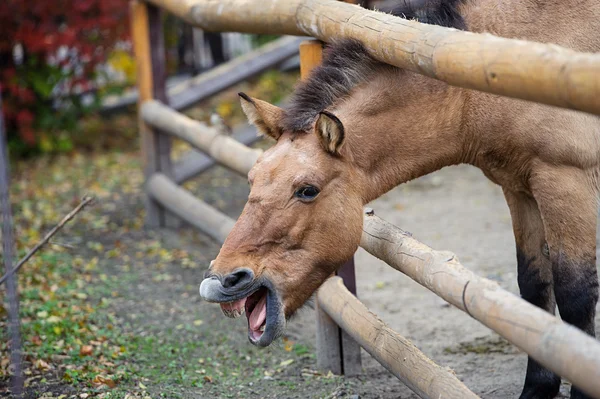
column 51, row 59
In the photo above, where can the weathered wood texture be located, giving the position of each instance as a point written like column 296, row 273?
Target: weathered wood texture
column 394, row 352
column 560, row 347
column 532, row 71
column 224, row 149
column 351, row 360
column 140, row 33
column 189, row 208
column 328, row 340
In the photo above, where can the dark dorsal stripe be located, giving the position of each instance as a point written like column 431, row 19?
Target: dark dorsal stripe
column 347, row 64
column 433, row 12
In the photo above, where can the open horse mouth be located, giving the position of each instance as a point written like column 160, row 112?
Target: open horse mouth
column 263, row 311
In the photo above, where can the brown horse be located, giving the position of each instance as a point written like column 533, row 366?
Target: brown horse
column 357, row 128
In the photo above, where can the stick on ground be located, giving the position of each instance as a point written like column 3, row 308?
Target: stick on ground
column 84, row 202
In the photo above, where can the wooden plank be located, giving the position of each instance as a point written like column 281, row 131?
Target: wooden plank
column 544, row 73
column 140, row 34
column 393, row 351
column 558, row 346
column 311, row 55
column 351, row 361
column 223, row 149
column 190, row 209
column 195, row 162
column 329, row 348
column 159, row 92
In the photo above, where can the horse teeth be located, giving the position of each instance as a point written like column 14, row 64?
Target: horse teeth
column 262, row 328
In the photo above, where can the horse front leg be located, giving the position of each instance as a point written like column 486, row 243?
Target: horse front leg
column 535, row 283
column 568, row 205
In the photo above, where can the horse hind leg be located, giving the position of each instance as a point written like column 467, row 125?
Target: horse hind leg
column 535, row 283
column 568, row 205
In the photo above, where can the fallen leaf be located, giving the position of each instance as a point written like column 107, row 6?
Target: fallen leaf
column 286, row 362
column 198, row 322
column 42, row 365
column 86, row 350
column 99, row 380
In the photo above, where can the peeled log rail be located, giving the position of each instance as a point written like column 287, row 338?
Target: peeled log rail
column 393, row 351
column 562, row 348
column 225, row 150
column 538, row 72
column 189, row 208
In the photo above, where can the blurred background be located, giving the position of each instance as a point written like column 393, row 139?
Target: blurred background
column 64, row 64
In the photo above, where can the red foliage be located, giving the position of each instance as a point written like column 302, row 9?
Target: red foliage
column 41, row 27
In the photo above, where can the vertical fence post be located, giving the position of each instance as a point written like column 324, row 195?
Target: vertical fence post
column 12, row 281
column 148, row 43
column 336, row 350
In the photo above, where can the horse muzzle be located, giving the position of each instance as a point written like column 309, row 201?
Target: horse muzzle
column 239, row 293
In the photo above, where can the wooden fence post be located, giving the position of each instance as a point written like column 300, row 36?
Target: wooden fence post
column 336, row 350
column 148, row 42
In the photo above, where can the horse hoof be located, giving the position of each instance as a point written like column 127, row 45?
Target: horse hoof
column 577, row 394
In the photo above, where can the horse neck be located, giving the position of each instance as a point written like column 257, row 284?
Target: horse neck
column 402, row 126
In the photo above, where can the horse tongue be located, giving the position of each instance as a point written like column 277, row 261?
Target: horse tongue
column 233, row 309
column 259, row 313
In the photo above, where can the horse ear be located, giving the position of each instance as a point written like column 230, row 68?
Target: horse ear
column 266, row 117
column 330, row 131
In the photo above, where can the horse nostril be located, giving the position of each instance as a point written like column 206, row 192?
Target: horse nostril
column 239, row 278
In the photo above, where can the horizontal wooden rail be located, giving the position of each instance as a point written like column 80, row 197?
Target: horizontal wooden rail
column 393, row 351
column 225, row 150
column 560, row 347
column 194, row 162
column 544, row 73
column 189, row 208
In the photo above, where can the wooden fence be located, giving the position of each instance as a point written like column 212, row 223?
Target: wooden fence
column 533, row 71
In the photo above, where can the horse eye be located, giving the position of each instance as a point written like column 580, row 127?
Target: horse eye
column 307, row 193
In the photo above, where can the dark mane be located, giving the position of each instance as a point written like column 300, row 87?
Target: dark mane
column 347, row 64
column 433, row 12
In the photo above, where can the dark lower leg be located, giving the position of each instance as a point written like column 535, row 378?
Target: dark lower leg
column 568, row 205
column 536, row 288
column 576, row 290
column 535, row 283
